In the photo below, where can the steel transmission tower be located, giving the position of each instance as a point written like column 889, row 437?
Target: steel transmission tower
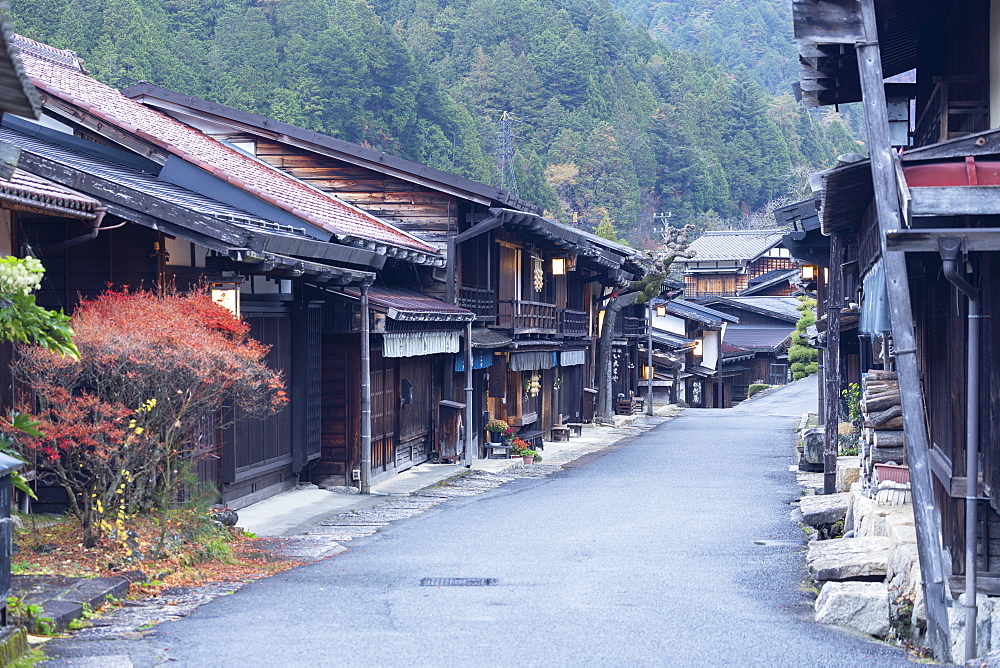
column 505, row 153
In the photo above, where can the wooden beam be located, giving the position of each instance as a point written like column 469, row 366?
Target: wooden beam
column 956, row 201
column 827, row 22
column 831, row 364
column 927, row 518
column 925, row 240
column 76, row 116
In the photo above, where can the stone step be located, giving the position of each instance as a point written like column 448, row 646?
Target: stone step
column 849, row 558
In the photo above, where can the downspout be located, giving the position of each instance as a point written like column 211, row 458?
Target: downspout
column 366, row 396
column 95, row 229
column 950, row 249
column 469, row 455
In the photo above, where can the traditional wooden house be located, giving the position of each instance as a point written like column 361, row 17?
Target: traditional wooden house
column 738, row 262
column 531, row 282
column 756, row 348
column 181, row 208
column 696, row 332
column 913, row 241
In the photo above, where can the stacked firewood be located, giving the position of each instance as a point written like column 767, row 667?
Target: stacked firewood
column 882, row 433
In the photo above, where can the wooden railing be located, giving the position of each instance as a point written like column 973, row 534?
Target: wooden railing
column 572, row 323
column 528, row 317
column 632, row 326
column 480, row 301
column 957, row 106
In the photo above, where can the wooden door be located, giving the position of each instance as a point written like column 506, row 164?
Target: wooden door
column 385, row 402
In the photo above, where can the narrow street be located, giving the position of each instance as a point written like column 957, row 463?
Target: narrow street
column 643, row 555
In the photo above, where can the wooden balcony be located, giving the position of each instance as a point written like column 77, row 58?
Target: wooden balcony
column 573, row 323
column 957, row 106
column 480, row 301
column 525, row 317
column 631, row 327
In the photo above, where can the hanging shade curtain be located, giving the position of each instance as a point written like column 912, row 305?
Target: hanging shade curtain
column 532, row 361
column 408, row 344
column 480, row 360
column 572, row 357
column 874, row 318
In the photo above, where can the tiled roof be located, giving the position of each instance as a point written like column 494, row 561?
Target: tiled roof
column 783, row 308
column 26, row 189
column 733, row 245
column 60, row 74
column 407, row 305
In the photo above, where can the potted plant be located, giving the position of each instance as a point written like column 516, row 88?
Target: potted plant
column 496, row 429
column 521, row 448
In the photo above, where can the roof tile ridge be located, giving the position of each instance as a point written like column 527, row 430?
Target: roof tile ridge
column 62, row 57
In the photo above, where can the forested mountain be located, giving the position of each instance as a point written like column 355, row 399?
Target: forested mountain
column 756, row 35
column 607, row 122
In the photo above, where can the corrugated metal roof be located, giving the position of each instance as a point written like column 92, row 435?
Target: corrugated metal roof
column 696, row 312
column 130, row 178
column 671, row 340
column 60, row 74
column 758, row 338
column 733, row 245
column 407, row 305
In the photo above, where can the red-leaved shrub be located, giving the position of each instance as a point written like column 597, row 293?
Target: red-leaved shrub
column 156, row 378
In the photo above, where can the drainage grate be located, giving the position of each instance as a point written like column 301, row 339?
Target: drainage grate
column 457, row 582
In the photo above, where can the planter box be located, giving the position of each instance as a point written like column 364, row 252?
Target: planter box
column 884, row 472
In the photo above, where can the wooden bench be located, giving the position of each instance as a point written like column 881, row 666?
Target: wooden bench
column 497, row 451
column 533, row 438
column 575, row 428
column 560, row 432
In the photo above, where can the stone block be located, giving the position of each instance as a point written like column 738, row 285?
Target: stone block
column 812, row 445
column 903, row 533
column 984, row 623
column 861, row 507
column 848, row 472
column 863, row 606
column 848, row 558
column 824, row 509
column 903, row 568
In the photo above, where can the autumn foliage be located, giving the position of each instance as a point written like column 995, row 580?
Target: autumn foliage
column 157, row 378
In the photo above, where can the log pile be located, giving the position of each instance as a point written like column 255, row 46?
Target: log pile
column 882, row 432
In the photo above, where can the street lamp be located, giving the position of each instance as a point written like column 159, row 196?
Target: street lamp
column 808, row 272
column 226, row 293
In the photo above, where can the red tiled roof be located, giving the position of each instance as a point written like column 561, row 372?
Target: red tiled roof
column 60, row 74
column 26, row 189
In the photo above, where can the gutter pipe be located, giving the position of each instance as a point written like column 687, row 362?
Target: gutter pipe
column 95, row 229
column 950, row 249
column 366, row 396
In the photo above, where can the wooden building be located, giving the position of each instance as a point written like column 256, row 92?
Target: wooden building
column 738, row 262
column 758, row 344
column 181, row 208
column 689, row 337
column 533, row 284
column 913, row 242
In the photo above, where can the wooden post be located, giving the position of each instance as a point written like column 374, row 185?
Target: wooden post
column 469, row 454
column 926, row 516
column 834, row 302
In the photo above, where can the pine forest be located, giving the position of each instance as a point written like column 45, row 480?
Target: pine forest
column 626, row 113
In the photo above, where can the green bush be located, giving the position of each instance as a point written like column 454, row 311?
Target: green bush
column 802, row 355
column 755, row 388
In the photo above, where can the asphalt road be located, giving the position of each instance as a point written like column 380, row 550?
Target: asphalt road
column 642, row 556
